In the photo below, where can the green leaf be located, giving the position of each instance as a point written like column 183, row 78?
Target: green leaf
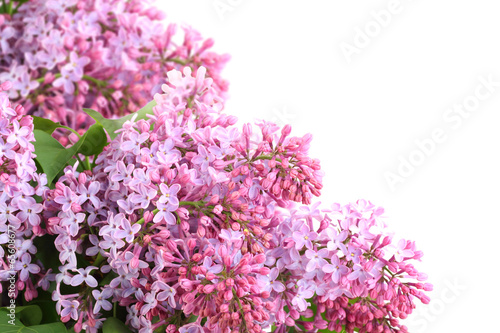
column 114, row 325
column 30, row 314
column 47, row 257
column 112, row 125
column 51, row 155
column 108, row 278
column 94, row 140
column 47, row 305
column 192, row 318
column 47, row 125
column 11, row 322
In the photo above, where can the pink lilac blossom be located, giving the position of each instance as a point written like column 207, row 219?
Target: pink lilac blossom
column 109, row 55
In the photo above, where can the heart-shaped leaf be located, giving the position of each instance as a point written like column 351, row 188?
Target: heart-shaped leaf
column 47, row 125
column 51, row 155
column 112, row 125
column 10, row 321
column 29, row 315
column 94, row 141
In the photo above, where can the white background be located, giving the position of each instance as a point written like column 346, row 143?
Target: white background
column 287, row 65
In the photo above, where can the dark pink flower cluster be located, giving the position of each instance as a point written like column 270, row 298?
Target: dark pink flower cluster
column 109, row 55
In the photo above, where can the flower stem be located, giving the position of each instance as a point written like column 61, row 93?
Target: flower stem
column 9, row 8
column 98, row 82
column 99, row 260
column 41, row 79
column 178, row 61
column 192, row 203
column 87, row 160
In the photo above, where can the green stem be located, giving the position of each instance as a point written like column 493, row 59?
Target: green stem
column 99, row 260
column 98, row 82
column 178, row 61
column 177, row 217
column 41, row 79
column 87, row 160
column 265, row 157
column 241, row 308
column 9, row 8
column 192, row 203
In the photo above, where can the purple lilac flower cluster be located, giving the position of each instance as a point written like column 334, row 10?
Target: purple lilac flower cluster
column 20, row 185
column 348, row 268
column 193, row 225
column 108, row 55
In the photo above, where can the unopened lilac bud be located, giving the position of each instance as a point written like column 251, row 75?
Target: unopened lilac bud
column 6, row 85
column 191, row 243
column 101, row 101
column 308, row 325
column 201, row 231
column 83, row 87
column 245, row 269
column 264, row 271
column 183, row 213
column 294, row 314
column 171, row 245
column 286, row 130
column 209, row 288
column 228, row 295
column 186, row 284
column 143, row 126
column 247, row 130
column 19, row 109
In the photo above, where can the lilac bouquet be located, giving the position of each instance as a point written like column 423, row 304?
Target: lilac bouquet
column 175, row 219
